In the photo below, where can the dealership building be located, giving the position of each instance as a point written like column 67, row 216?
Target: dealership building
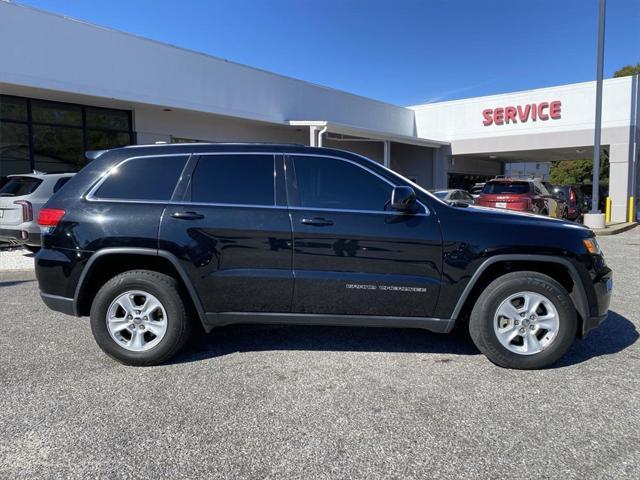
column 68, row 86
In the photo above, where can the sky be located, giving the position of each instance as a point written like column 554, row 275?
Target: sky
column 404, row 52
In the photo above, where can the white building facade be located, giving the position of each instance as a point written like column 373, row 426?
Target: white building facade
column 67, row 86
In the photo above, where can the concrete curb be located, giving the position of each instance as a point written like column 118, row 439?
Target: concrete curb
column 614, row 229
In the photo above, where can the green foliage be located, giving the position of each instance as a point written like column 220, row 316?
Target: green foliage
column 627, row 70
column 564, row 172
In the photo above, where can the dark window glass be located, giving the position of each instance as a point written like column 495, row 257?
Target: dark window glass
column 234, row 179
column 19, row 186
column 14, row 149
column 506, row 187
column 456, row 195
column 57, row 149
column 103, row 140
column 148, row 178
column 60, row 183
column 13, row 108
column 330, row 183
column 109, row 119
column 56, row 113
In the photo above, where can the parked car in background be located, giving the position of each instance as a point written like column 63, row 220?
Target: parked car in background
column 574, row 198
column 523, row 195
column 587, row 192
column 454, row 196
column 312, row 236
column 20, row 201
column 476, row 190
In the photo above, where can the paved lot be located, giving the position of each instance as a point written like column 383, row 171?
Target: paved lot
column 306, row 402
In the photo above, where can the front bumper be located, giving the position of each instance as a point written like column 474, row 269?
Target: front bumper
column 18, row 236
column 603, row 288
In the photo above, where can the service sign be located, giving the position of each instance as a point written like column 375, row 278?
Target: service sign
column 530, row 112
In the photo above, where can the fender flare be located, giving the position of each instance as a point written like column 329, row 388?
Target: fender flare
column 151, row 252
column 578, row 296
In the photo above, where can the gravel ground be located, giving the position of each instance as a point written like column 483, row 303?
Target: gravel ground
column 15, row 259
column 314, row 402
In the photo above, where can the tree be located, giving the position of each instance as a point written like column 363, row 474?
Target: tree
column 564, row 172
column 627, row 70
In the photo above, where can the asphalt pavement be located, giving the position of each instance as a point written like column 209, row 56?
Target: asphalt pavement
column 317, row 402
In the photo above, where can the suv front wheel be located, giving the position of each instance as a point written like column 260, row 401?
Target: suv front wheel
column 139, row 318
column 523, row 320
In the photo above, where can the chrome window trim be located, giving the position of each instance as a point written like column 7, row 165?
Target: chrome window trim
column 90, row 195
column 363, row 167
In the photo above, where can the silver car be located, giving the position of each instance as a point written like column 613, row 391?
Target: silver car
column 20, row 201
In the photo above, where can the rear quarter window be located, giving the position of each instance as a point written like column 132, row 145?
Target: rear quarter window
column 517, row 188
column 20, row 186
column 143, row 178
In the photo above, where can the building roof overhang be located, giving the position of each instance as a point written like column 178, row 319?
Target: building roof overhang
column 369, row 134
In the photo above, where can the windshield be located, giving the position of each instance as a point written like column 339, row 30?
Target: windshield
column 506, row 187
column 441, row 194
column 19, row 186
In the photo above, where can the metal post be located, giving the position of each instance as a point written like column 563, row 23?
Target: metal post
column 596, row 138
column 387, row 154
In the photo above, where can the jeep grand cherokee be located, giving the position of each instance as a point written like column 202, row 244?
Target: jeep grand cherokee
column 148, row 240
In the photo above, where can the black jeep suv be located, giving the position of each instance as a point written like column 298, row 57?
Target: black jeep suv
column 148, row 239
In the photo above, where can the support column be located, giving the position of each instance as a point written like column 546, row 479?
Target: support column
column 620, row 180
column 441, row 158
column 387, row 154
column 312, row 136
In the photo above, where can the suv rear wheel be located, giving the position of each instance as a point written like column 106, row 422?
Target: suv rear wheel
column 523, row 320
column 139, row 318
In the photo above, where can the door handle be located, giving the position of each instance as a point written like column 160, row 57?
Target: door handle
column 317, row 221
column 187, row 215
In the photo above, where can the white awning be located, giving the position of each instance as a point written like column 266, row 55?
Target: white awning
column 370, row 134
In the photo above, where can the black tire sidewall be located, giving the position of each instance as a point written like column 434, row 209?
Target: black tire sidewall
column 165, row 290
column 482, row 317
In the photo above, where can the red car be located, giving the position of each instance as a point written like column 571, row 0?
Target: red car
column 529, row 195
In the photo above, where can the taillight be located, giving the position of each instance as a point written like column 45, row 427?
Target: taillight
column 50, row 217
column 27, row 210
column 572, row 196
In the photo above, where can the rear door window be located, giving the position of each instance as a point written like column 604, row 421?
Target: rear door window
column 143, row 178
column 20, row 186
column 233, row 179
column 505, row 188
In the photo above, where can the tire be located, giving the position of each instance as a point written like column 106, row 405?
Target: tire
column 32, row 249
column 154, row 338
column 490, row 330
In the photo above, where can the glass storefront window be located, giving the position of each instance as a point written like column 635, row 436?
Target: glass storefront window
column 13, row 108
column 102, row 139
column 107, row 119
column 57, row 149
column 53, row 136
column 14, row 148
column 56, row 113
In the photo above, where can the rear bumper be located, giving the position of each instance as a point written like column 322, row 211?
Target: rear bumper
column 59, row 304
column 18, row 236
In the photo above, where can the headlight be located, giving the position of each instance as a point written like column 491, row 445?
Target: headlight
column 592, row 246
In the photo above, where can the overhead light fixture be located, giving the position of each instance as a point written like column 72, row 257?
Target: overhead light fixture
column 580, row 150
column 166, row 110
column 492, row 157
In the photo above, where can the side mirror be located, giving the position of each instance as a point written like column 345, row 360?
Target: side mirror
column 403, row 198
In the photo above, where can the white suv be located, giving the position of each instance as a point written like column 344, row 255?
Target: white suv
column 20, row 201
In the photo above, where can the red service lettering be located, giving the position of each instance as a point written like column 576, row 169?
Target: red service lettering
column 522, row 113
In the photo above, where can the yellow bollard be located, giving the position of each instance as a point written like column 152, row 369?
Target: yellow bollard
column 631, row 205
column 607, row 210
